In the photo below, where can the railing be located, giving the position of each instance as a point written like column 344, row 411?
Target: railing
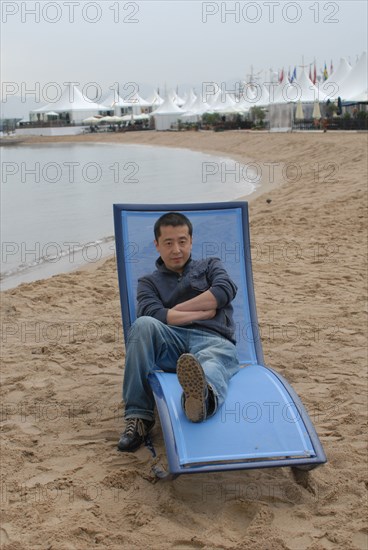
column 47, row 124
column 332, row 124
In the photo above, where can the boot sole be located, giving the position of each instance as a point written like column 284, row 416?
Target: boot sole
column 192, row 380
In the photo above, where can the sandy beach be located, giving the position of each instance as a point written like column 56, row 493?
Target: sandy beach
column 64, row 486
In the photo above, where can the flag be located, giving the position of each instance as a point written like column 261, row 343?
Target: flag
column 293, row 76
column 310, row 73
column 289, row 75
column 315, row 73
column 331, row 68
column 281, row 77
column 325, row 73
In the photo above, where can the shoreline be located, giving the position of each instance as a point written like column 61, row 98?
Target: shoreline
column 262, row 186
column 155, row 139
column 63, row 363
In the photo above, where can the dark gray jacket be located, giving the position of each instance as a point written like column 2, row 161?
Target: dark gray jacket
column 163, row 289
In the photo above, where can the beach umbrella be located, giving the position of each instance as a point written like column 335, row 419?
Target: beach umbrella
column 299, row 114
column 52, row 113
column 316, row 111
column 114, row 119
column 142, row 116
column 91, row 120
column 128, row 118
column 106, row 118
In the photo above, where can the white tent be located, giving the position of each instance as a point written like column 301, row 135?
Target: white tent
column 301, row 89
column 248, row 98
column 200, row 106
column 281, row 108
column 133, row 103
column 72, row 106
column 190, row 100
column 175, row 98
column 111, row 100
column 310, row 92
column 136, row 99
column 332, row 85
column 293, row 100
column 360, row 98
column 154, row 99
column 197, row 109
column 167, row 114
column 284, row 92
column 212, row 94
column 241, row 105
column 181, row 99
column 262, row 97
column 225, row 104
column 355, row 82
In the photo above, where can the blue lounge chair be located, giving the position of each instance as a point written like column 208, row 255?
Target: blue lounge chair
column 262, row 422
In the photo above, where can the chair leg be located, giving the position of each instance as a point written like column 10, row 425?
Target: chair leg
column 162, row 475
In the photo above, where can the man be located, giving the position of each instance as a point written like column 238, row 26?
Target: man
column 185, row 325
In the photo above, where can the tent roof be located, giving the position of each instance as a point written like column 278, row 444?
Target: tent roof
column 70, row 100
column 115, row 100
column 247, row 99
column 199, row 106
column 360, row 98
column 335, row 79
column 168, row 107
column 226, row 104
column 191, row 98
column 155, row 98
column 133, row 100
column 355, row 82
column 176, row 99
column 301, row 89
column 112, row 99
column 212, row 98
column 309, row 92
column 263, row 97
column 282, row 92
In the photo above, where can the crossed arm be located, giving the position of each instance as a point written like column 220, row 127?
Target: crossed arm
column 221, row 291
column 197, row 309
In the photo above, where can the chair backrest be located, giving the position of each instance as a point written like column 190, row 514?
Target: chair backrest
column 220, row 230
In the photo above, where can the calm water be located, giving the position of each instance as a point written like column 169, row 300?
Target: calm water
column 56, row 200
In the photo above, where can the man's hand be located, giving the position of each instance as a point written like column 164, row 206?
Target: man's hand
column 175, row 317
column 204, row 302
column 200, row 308
column 209, row 314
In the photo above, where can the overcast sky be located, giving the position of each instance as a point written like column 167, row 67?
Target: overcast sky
column 172, row 42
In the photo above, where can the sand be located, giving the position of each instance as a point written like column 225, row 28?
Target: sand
column 65, row 486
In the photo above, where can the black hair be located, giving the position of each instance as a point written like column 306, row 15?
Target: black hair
column 172, row 218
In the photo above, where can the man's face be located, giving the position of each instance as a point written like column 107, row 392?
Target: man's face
column 174, row 246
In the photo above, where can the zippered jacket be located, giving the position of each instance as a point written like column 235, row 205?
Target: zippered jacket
column 163, row 289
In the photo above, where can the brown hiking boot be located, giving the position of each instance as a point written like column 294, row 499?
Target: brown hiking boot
column 193, row 381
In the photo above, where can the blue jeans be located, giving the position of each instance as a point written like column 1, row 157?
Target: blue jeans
column 152, row 345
